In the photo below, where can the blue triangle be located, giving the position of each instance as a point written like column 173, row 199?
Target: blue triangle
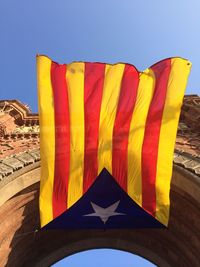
column 104, row 192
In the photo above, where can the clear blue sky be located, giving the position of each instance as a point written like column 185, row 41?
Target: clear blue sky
column 138, row 32
column 104, row 258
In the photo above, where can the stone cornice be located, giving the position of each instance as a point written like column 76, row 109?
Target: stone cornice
column 20, row 112
column 19, row 137
column 12, row 164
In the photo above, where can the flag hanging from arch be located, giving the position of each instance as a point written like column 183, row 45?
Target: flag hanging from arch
column 107, row 136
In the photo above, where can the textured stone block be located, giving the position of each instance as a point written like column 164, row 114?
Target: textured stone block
column 14, row 163
column 181, row 160
column 26, row 158
column 192, row 164
column 197, row 170
column 5, row 170
column 35, row 154
column 175, row 155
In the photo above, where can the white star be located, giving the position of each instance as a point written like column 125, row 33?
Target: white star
column 105, row 214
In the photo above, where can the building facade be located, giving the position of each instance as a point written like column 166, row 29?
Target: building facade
column 23, row 244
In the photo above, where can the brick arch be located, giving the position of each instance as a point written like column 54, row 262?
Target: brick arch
column 20, row 245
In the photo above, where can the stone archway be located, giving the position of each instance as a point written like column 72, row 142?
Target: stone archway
column 22, row 246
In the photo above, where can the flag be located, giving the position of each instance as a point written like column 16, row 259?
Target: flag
column 108, row 129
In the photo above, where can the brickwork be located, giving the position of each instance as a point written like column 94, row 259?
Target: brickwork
column 188, row 138
column 19, row 129
column 22, row 245
column 19, row 136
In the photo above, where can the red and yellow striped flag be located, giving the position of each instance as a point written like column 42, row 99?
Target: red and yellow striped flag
column 95, row 116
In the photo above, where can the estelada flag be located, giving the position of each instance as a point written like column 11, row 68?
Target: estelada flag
column 107, row 136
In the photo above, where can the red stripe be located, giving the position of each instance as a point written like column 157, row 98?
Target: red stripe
column 151, row 136
column 62, row 138
column 127, row 99
column 93, row 89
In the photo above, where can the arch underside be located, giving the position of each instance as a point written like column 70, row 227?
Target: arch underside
column 21, row 245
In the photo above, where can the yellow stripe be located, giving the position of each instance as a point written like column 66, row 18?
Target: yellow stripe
column 111, row 91
column 47, row 137
column 75, row 82
column 136, row 134
column 180, row 69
